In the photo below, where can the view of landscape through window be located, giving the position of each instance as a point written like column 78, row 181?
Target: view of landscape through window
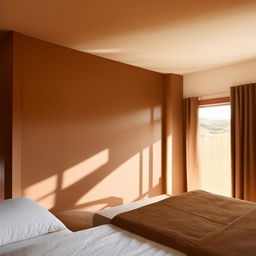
column 214, row 149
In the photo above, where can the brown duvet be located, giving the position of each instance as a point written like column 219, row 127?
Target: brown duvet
column 197, row 223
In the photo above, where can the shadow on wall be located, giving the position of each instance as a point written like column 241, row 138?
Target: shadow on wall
column 127, row 169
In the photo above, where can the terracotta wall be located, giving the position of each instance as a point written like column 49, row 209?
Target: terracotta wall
column 90, row 128
column 173, row 159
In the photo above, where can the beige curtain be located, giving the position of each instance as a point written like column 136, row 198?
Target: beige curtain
column 243, row 141
column 190, row 139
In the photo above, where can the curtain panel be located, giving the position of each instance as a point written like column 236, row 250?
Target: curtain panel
column 243, row 141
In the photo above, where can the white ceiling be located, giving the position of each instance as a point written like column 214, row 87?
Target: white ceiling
column 168, row 36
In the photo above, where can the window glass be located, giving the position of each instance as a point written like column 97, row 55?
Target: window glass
column 214, row 149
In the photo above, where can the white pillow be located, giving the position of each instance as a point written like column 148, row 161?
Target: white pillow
column 21, row 218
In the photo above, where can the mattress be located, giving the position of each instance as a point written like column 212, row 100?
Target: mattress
column 14, row 246
column 107, row 240
column 105, row 216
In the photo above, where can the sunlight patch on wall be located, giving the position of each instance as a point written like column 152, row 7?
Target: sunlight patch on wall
column 48, row 201
column 145, row 170
column 43, row 191
column 157, row 162
column 125, row 178
column 101, row 203
column 129, row 173
column 81, row 170
column 157, row 113
column 169, row 165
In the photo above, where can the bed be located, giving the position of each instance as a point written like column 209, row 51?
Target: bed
column 12, row 247
column 196, row 223
column 31, row 230
column 106, row 240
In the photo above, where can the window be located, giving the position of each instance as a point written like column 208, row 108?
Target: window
column 214, row 149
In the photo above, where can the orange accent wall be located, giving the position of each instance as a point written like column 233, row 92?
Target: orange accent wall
column 90, row 128
column 173, row 159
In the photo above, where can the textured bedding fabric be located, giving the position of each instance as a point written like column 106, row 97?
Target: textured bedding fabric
column 39, row 239
column 105, row 216
column 197, row 223
column 104, row 240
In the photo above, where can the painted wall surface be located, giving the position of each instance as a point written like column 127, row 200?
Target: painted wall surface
column 218, row 81
column 90, row 128
column 173, row 163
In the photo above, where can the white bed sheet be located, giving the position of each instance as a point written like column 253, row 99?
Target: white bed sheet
column 106, row 240
column 14, row 246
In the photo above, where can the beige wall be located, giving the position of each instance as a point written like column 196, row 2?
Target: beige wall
column 90, row 128
column 218, row 81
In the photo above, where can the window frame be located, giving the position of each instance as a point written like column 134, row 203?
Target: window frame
column 204, row 103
